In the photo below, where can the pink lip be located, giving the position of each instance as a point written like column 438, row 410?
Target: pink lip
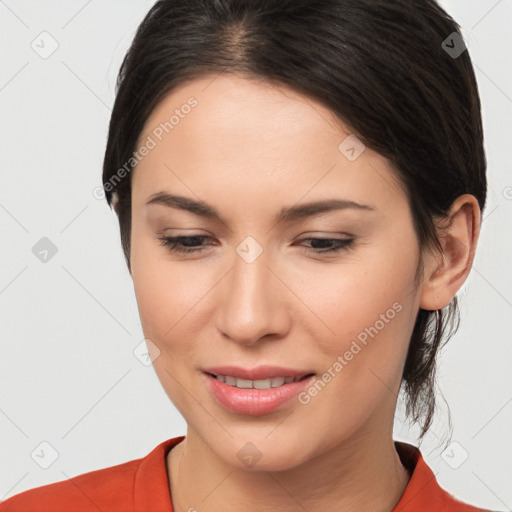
column 258, row 373
column 254, row 402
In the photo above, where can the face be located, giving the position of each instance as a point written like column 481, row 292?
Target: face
column 262, row 288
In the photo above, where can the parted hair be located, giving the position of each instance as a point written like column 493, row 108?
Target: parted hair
column 384, row 68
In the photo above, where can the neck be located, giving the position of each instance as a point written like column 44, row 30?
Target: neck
column 363, row 473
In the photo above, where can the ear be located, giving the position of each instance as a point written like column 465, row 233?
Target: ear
column 445, row 273
column 115, row 201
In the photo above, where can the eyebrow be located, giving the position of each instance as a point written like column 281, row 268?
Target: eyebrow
column 289, row 213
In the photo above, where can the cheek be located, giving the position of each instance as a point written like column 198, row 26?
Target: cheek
column 169, row 297
column 354, row 296
column 158, row 289
column 367, row 312
column 166, row 295
column 370, row 318
column 163, row 300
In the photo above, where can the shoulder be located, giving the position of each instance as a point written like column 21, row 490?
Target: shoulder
column 103, row 489
column 119, row 488
column 423, row 491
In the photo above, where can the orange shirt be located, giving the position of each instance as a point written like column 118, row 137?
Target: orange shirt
column 142, row 485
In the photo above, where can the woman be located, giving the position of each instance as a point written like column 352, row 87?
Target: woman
column 299, row 186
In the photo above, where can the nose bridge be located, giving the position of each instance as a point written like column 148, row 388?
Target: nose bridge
column 250, row 304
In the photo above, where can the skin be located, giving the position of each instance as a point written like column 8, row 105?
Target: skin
column 249, row 149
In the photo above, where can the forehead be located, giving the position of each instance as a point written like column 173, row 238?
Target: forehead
column 228, row 134
column 235, row 108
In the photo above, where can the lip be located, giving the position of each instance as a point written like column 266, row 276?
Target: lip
column 254, row 402
column 258, row 373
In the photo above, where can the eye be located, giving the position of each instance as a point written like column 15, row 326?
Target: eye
column 340, row 244
column 191, row 243
column 183, row 244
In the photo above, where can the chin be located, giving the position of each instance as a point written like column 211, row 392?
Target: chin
column 262, row 453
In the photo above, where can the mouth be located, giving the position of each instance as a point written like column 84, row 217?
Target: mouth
column 271, row 382
column 256, row 397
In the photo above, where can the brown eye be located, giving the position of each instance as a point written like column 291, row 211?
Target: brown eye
column 340, row 244
column 183, row 244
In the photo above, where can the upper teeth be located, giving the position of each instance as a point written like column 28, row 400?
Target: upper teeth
column 274, row 382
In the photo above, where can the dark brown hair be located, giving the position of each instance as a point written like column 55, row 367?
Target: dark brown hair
column 388, row 70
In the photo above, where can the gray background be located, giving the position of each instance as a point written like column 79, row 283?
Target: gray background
column 69, row 325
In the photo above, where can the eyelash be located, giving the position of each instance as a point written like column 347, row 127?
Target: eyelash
column 173, row 244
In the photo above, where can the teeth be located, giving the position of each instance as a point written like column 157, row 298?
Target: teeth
column 274, row 382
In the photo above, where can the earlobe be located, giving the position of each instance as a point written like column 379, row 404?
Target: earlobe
column 115, row 200
column 445, row 273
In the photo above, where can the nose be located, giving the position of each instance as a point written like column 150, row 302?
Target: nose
column 252, row 302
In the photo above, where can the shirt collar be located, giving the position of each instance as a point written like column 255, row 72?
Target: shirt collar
column 151, row 483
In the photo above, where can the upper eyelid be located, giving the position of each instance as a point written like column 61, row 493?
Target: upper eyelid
column 332, row 238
